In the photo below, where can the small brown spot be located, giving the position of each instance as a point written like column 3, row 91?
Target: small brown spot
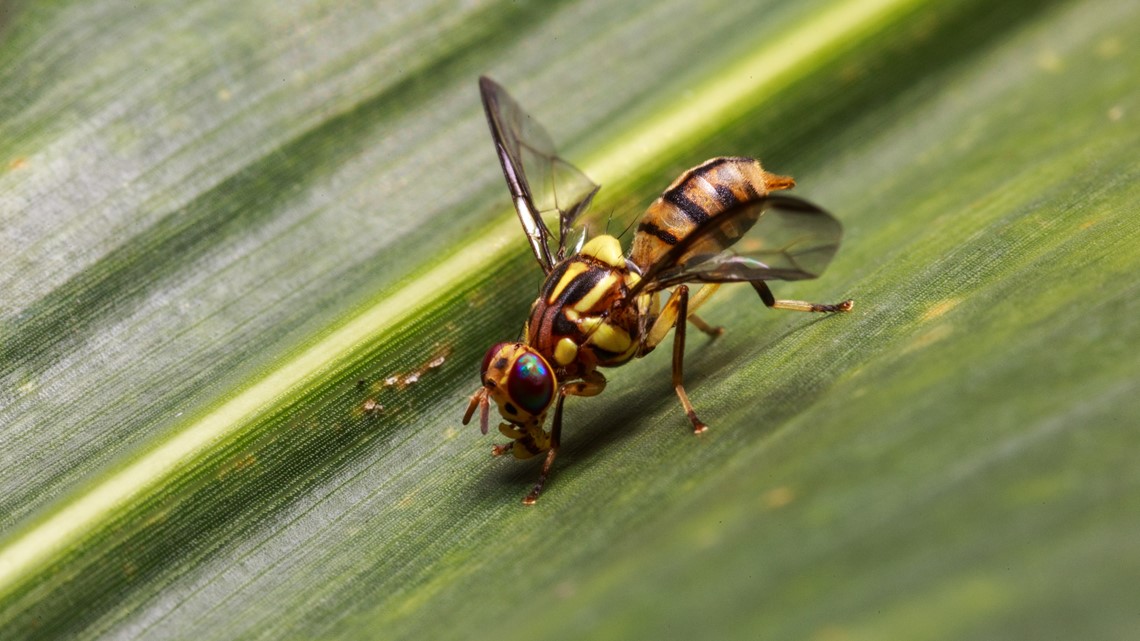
column 937, row 310
column 401, row 381
column 238, row 464
column 18, row 163
column 1115, row 113
column 778, row 497
column 1109, row 48
column 372, row 406
column 1050, row 61
column 565, row 590
column 927, row 339
column 851, row 73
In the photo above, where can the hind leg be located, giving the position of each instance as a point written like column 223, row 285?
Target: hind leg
column 770, row 300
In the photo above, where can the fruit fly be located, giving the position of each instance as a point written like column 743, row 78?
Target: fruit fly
column 719, row 222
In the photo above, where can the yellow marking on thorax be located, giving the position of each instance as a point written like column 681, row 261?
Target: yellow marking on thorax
column 606, row 249
column 604, row 335
column 565, row 352
column 573, row 270
column 603, row 286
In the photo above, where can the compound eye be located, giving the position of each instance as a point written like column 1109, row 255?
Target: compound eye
column 530, row 383
column 491, row 353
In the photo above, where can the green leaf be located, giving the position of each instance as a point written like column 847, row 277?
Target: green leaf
column 253, row 253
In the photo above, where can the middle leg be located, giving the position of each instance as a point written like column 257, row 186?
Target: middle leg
column 675, row 312
column 695, row 303
column 682, row 293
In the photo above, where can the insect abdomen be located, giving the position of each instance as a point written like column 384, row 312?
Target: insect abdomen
column 697, row 195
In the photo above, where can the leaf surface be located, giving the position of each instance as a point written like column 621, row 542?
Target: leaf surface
column 253, row 253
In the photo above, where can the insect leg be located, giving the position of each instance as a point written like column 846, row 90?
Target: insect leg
column 695, row 302
column 798, row 305
column 669, row 315
column 700, row 324
column 591, row 384
column 682, row 294
column 677, row 307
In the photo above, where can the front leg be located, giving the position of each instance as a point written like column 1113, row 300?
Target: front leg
column 591, row 384
column 527, row 441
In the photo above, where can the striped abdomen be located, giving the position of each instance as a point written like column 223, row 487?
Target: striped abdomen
column 697, row 195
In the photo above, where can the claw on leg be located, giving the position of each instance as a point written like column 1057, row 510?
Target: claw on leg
column 682, row 294
column 712, row 332
column 770, row 300
column 532, row 497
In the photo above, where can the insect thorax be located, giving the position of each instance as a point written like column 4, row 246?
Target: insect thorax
column 582, row 317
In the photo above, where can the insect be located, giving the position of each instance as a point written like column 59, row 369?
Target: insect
column 719, row 222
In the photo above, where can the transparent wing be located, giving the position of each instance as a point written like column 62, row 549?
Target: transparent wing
column 775, row 237
column 547, row 191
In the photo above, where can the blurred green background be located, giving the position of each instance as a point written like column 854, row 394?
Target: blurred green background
column 251, row 254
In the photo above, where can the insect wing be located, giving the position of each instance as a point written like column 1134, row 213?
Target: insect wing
column 775, row 237
column 544, row 187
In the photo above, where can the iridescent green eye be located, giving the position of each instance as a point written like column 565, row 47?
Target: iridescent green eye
column 530, row 383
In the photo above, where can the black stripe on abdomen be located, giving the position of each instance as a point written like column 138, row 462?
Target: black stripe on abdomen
column 725, row 196
column 690, row 209
column 655, row 231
